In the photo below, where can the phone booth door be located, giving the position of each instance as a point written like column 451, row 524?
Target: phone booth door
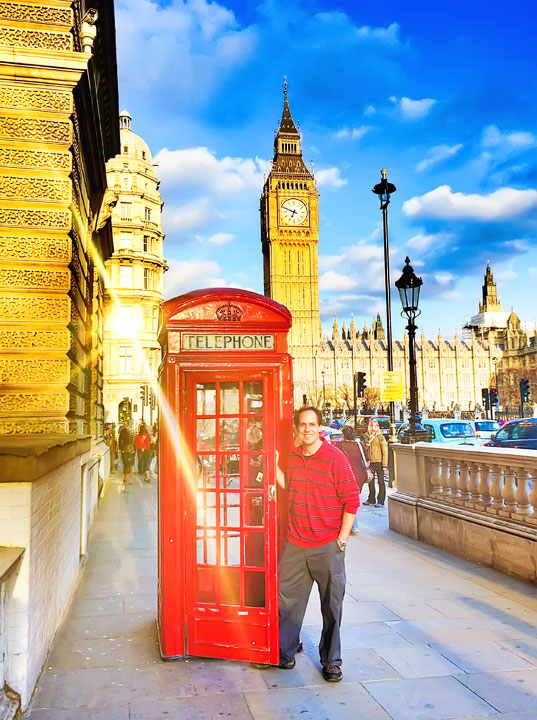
column 231, row 536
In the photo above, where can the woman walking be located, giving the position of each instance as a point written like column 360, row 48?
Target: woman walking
column 355, row 451
column 126, row 448
column 378, row 455
column 142, row 443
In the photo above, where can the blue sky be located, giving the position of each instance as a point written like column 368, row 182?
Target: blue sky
column 442, row 94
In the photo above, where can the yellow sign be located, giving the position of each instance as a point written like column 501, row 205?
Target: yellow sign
column 391, row 386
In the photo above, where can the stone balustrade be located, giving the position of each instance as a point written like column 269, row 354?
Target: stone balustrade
column 477, row 502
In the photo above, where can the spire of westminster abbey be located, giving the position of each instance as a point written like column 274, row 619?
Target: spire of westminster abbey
column 289, row 238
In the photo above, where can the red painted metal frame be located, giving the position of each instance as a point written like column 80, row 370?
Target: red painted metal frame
column 196, row 312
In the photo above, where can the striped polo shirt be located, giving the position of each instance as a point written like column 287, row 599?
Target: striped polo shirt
column 321, row 487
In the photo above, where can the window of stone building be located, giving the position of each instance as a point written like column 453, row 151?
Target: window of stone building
column 154, row 320
column 125, row 276
column 147, row 318
column 126, row 210
column 146, row 243
column 143, row 154
column 126, row 182
column 146, row 279
column 125, row 241
column 125, row 165
column 125, row 149
column 125, row 359
column 147, row 214
column 432, row 364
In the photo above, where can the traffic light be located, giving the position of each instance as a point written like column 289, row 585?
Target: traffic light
column 485, row 398
column 144, row 395
column 361, row 384
column 524, row 390
column 494, row 399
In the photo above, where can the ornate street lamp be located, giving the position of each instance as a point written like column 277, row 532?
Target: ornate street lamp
column 384, row 190
column 409, row 291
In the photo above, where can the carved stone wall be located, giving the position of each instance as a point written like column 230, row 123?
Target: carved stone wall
column 49, row 204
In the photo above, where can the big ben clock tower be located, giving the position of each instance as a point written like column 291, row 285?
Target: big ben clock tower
column 289, row 237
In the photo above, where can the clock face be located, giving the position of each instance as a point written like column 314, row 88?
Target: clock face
column 293, row 212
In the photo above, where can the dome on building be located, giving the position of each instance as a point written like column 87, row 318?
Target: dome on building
column 135, row 145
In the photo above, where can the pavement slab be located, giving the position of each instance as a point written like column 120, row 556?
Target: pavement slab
column 429, row 698
column 413, row 661
column 200, row 707
column 338, row 701
column 482, row 657
column 513, row 691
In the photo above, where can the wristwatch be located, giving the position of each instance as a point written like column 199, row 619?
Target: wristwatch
column 342, row 545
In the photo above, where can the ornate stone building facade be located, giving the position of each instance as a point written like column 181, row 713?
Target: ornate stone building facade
column 58, row 93
column 135, row 277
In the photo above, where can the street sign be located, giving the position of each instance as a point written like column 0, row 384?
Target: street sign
column 391, row 386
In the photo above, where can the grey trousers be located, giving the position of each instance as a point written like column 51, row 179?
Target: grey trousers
column 298, row 568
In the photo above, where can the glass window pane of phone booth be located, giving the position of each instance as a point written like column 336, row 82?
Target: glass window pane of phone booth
column 231, row 491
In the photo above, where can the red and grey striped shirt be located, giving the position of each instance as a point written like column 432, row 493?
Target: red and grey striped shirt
column 321, row 488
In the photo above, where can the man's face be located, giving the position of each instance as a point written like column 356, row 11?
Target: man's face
column 308, row 428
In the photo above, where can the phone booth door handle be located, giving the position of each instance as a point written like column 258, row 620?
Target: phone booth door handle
column 272, row 492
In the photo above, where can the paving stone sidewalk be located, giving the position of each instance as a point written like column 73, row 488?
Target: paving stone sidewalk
column 425, row 636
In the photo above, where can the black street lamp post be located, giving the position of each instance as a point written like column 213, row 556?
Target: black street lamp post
column 409, row 291
column 324, row 390
column 384, row 190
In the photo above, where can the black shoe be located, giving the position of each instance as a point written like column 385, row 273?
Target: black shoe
column 379, row 504
column 332, row 673
column 287, row 665
column 369, row 502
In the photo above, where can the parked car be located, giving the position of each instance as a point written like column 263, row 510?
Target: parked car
column 331, row 434
column 362, row 422
column 448, row 431
column 516, row 434
column 484, row 429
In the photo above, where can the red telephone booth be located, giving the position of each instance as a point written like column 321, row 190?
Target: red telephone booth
column 225, row 409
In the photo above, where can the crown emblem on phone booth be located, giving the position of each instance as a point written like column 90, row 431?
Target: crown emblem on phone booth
column 229, row 312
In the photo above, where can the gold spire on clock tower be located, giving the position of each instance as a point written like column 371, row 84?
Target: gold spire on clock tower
column 289, row 237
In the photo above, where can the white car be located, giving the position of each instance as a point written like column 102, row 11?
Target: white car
column 484, row 429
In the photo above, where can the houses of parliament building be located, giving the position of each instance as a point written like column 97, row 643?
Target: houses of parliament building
column 493, row 349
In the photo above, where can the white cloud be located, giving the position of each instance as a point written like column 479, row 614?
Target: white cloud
column 220, row 238
column 422, row 241
column 330, row 177
column 351, row 133
column 449, row 295
column 190, row 46
column 332, row 280
column 437, row 154
column 444, row 278
column 370, row 110
column 185, row 275
column 198, row 168
column 518, row 140
column 413, row 109
column 191, row 216
column 442, row 203
column 389, row 34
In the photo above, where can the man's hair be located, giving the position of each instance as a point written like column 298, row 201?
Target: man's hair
column 304, row 409
column 348, row 432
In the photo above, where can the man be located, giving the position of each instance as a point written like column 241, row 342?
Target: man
column 323, row 500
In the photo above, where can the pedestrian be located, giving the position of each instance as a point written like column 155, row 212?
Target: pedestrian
column 126, row 448
column 356, row 452
column 378, row 456
column 142, row 443
column 323, row 500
